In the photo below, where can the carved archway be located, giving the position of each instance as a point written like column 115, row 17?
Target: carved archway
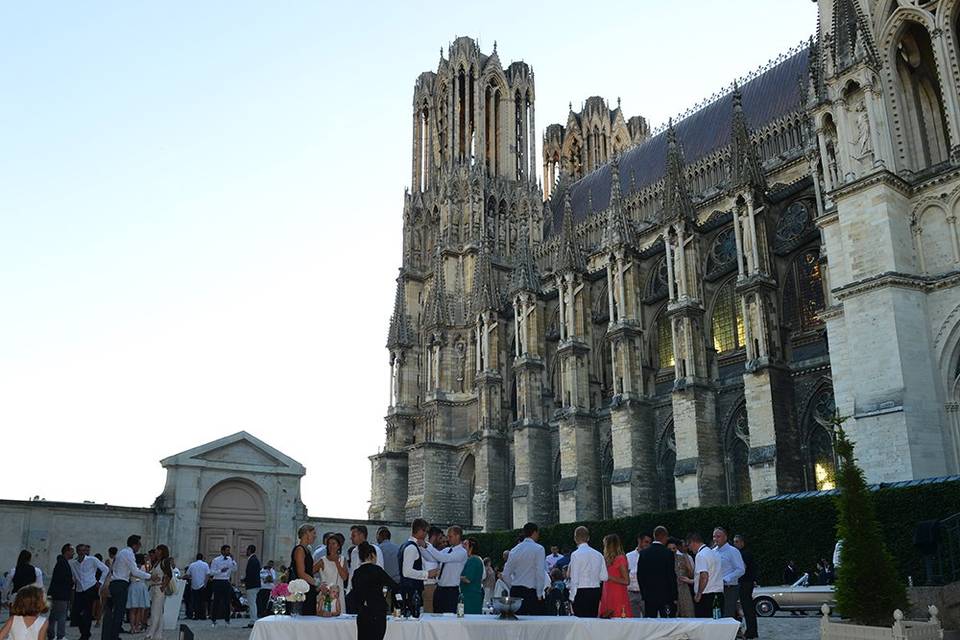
column 233, row 512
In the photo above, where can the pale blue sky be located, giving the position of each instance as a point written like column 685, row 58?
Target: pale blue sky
column 200, row 210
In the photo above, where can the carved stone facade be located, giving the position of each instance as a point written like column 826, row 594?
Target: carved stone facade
column 670, row 326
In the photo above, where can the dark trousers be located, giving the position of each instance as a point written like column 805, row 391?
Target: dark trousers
column 263, row 603
column 586, row 604
column 118, row 593
column 83, row 601
column 654, row 609
column 445, row 599
column 371, row 626
column 57, row 625
column 221, row 600
column 704, row 608
column 749, row 611
column 106, row 619
column 531, row 600
column 198, row 603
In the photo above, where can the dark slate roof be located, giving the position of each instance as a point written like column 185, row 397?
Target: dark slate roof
column 872, row 487
column 771, row 95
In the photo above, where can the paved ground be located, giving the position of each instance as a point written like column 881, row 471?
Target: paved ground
column 781, row 626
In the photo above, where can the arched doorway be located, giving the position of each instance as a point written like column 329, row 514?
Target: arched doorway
column 736, row 457
column 233, row 512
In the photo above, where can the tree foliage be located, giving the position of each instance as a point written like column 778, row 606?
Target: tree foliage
column 868, row 589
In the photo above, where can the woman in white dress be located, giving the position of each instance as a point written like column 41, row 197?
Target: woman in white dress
column 160, row 576
column 331, row 571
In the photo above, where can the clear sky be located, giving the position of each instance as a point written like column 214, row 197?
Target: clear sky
column 200, row 210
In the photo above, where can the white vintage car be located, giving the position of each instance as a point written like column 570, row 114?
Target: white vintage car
column 799, row 596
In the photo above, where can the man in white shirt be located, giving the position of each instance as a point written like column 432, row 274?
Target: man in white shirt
column 413, row 571
column 196, row 577
column 358, row 535
column 587, row 570
column 633, row 589
column 451, row 561
column 731, row 568
column 124, row 566
column 523, row 571
column 707, row 579
column 268, row 580
column 87, row 586
column 222, row 567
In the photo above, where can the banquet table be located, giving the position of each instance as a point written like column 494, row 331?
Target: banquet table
column 488, row 627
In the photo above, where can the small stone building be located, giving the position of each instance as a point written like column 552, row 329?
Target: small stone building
column 237, row 490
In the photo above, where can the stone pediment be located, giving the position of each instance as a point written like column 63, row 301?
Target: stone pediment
column 237, row 451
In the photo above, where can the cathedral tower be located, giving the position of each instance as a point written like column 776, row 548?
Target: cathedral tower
column 471, row 213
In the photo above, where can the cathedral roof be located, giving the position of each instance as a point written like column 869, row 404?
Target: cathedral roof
column 766, row 98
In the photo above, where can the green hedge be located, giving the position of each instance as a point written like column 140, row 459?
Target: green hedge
column 803, row 530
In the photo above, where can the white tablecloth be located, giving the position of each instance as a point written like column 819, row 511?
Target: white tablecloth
column 486, row 627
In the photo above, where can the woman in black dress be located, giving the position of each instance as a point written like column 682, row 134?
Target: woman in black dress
column 301, row 566
column 368, row 582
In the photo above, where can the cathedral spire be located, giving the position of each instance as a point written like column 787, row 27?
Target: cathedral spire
column 676, row 196
column 485, row 292
column 852, row 37
column 745, row 171
column 570, row 258
column 438, row 311
column 400, row 334
column 524, row 277
column 618, row 230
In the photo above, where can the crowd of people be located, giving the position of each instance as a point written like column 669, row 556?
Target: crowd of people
column 441, row 571
column 432, row 570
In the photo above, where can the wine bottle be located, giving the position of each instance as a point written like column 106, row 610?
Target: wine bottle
column 460, row 605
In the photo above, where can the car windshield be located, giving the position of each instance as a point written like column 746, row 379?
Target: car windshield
column 802, row 582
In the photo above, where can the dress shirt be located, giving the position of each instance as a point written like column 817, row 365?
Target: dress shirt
column 355, row 561
column 198, row 572
column 587, row 569
column 524, row 567
column 552, row 560
column 451, row 560
column 707, row 561
column 268, row 578
column 125, row 566
column 731, row 564
column 222, row 567
column 411, row 553
column 85, row 572
column 837, row 548
column 633, row 558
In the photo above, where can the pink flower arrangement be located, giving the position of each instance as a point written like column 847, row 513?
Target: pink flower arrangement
column 281, row 590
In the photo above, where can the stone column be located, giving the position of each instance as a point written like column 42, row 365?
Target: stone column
column 491, row 482
column 634, row 481
column 774, row 458
column 579, row 468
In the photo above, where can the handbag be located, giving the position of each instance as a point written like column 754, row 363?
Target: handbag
column 170, row 589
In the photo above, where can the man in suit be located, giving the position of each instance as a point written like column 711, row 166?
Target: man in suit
column 657, row 577
column 747, row 580
column 61, row 588
column 251, row 582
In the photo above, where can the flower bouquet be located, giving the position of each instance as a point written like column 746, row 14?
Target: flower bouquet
column 297, row 594
column 278, row 598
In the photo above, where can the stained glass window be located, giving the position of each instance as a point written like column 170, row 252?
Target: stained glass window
column 723, row 252
column 665, row 343
column 803, row 295
column 822, row 468
column 737, row 460
column 658, row 279
column 793, row 222
column 728, row 330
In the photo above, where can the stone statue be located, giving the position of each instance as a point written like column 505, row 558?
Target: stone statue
column 864, row 142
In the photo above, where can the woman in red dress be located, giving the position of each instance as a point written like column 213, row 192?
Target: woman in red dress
column 614, row 601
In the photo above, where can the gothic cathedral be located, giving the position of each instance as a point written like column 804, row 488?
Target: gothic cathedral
column 670, row 319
